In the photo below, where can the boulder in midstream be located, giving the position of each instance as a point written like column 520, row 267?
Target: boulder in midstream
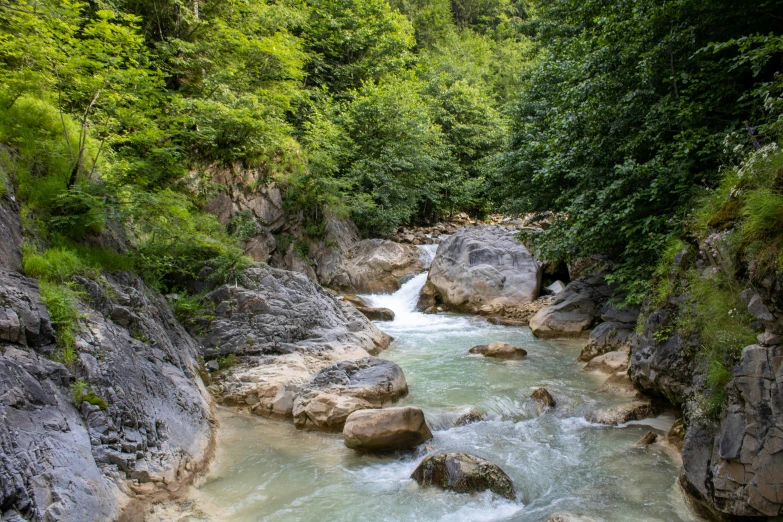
column 499, row 350
column 386, row 429
column 463, row 473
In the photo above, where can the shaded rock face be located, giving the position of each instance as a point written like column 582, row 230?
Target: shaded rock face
column 606, row 337
column 574, row 310
column 499, row 350
column 375, row 266
column 272, row 311
column 463, row 473
column 482, row 269
column 662, row 364
column 62, row 461
column 736, row 467
column 387, row 429
column 336, row 391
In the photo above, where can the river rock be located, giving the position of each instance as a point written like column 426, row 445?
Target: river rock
column 499, row 350
column 635, row 410
column 481, row 266
column 649, row 438
column 342, row 388
column 376, row 266
column 607, row 337
column 469, row 418
column 676, row 434
column 387, row 429
column 542, row 396
column 463, row 473
column 573, row 311
column 609, row 363
column 376, row 314
column 556, row 287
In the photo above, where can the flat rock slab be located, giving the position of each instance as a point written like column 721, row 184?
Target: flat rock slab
column 636, row 410
column 344, row 387
column 376, row 314
column 387, row 429
column 499, row 350
column 463, row 473
column 608, row 363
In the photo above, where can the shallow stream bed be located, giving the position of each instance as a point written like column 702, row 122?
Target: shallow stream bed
column 266, row 470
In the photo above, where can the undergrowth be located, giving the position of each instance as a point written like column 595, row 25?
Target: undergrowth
column 61, row 301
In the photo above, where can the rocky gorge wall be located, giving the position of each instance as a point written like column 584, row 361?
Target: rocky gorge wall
column 147, row 426
column 732, row 461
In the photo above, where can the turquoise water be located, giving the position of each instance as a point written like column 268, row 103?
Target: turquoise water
column 268, row 471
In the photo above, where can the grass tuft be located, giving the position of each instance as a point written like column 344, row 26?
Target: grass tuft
column 60, row 299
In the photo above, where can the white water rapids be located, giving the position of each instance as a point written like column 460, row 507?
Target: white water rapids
column 266, row 470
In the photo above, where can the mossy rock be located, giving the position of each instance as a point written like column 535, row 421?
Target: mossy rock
column 725, row 218
column 463, row 473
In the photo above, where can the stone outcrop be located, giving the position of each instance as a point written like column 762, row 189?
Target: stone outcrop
column 662, row 364
column 271, row 311
column 376, row 266
column 736, row 467
column 499, row 350
column 482, row 269
column 387, row 429
column 338, row 390
column 149, row 420
column 463, row 473
column 10, row 229
column 574, row 310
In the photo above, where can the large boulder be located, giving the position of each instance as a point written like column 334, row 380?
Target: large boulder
column 482, row 269
column 375, row 266
column 463, row 473
column 737, row 470
column 574, row 310
column 499, row 350
column 338, row 390
column 272, row 311
column 387, row 429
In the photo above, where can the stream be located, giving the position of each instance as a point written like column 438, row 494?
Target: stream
column 266, row 470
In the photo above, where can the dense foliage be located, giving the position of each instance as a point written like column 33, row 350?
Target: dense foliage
column 629, row 111
column 612, row 115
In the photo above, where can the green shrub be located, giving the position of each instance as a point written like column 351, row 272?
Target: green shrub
column 57, row 264
column 187, row 307
column 226, row 361
column 81, row 392
column 60, row 300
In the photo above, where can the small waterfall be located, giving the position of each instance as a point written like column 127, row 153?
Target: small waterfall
column 403, row 301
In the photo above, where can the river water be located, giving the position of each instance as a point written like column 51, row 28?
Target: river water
column 266, row 470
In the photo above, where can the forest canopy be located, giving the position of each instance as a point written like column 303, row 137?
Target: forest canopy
column 613, row 116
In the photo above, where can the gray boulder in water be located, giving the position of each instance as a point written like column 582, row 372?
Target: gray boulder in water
column 482, row 269
column 499, row 350
column 463, row 473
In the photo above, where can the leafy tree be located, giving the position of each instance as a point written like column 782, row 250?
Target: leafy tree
column 629, row 111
